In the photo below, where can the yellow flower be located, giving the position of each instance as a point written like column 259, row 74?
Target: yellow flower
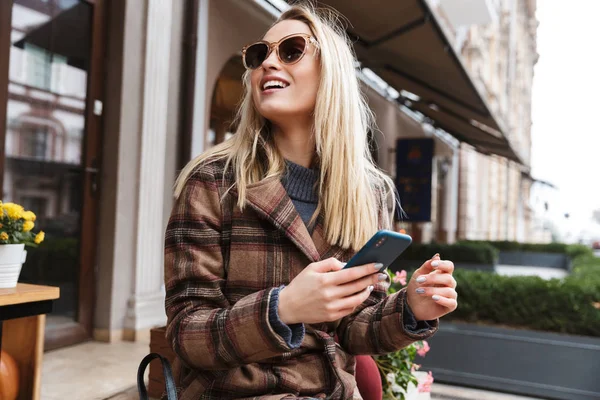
column 14, row 211
column 39, row 238
column 29, row 216
column 27, row 226
column 3, row 236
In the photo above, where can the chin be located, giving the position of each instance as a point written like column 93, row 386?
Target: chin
column 272, row 112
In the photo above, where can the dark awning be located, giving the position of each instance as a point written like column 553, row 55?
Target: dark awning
column 527, row 175
column 403, row 43
column 66, row 34
column 33, row 166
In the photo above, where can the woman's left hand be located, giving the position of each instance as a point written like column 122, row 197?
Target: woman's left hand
column 431, row 292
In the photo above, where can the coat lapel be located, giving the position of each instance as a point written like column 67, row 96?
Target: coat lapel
column 270, row 200
column 325, row 249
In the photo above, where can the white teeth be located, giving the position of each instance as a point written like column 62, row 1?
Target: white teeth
column 272, row 84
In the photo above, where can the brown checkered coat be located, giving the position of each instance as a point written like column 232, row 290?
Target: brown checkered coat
column 221, row 265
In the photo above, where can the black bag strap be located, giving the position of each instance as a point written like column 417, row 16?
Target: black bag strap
column 169, row 381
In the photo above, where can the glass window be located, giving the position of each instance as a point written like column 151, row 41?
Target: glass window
column 34, row 142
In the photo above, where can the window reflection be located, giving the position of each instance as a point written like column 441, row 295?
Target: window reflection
column 49, row 58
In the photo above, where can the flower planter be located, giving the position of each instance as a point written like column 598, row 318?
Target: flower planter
column 12, row 257
column 531, row 363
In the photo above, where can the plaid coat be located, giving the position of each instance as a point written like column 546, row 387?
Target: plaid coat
column 221, row 265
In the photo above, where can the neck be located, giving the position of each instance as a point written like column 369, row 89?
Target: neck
column 295, row 143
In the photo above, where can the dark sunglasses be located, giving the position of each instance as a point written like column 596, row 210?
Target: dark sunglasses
column 289, row 50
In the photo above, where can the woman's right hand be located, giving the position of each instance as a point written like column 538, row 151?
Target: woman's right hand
column 325, row 292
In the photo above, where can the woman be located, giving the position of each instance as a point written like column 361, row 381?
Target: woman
column 256, row 293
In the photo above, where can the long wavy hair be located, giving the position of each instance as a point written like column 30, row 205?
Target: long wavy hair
column 352, row 189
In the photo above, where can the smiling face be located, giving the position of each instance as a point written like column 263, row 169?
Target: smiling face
column 283, row 92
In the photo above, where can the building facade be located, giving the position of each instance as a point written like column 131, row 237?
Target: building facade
column 90, row 95
column 103, row 101
column 495, row 201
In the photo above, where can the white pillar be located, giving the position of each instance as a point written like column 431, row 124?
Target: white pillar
column 483, row 213
column 145, row 307
column 201, row 98
column 450, row 222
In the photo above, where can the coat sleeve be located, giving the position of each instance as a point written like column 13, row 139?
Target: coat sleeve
column 382, row 324
column 205, row 330
column 379, row 325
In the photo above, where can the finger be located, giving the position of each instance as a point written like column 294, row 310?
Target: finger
column 354, row 300
column 328, row 265
column 350, row 288
column 385, row 284
column 342, row 313
column 449, row 303
column 426, row 267
column 434, row 279
column 352, row 274
column 437, row 291
column 443, row 266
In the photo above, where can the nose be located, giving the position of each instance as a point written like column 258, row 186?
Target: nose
column 271, row 62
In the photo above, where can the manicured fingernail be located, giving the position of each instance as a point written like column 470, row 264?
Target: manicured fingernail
column 370, row 288
column 421, row 279
column 382, row 277
column 435, row 255
column 420, row 290
column 435, row 297
column 435, row 263
column 378, row 266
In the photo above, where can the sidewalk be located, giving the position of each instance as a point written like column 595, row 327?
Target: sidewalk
column 92, row 370
column 101, row 371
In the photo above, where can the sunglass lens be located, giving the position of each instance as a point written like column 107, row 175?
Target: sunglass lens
column 256, row 55
column 291, row 50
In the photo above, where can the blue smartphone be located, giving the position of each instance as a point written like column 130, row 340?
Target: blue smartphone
column 384, row 247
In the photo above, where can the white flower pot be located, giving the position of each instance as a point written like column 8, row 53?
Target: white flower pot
column 12, row 257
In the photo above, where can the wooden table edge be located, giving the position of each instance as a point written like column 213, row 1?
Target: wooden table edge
column 28, row 293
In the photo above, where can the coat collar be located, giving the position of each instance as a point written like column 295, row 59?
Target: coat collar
column 272, row 203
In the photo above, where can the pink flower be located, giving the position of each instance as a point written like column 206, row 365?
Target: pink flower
column 424, row 349
column 400, row 277
column 425, row 384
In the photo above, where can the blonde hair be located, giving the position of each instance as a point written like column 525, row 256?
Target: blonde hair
column 352, row 189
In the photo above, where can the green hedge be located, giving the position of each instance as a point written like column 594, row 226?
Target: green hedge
column 569, row 305
column 480, row 253
column 586, row 267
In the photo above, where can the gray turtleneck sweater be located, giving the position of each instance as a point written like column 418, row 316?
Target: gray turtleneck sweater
column 300, row 184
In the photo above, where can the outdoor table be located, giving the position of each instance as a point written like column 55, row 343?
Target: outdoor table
column 22, row 323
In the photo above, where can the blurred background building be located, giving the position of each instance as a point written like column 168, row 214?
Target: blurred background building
column 103, row 101
column 497, row 41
